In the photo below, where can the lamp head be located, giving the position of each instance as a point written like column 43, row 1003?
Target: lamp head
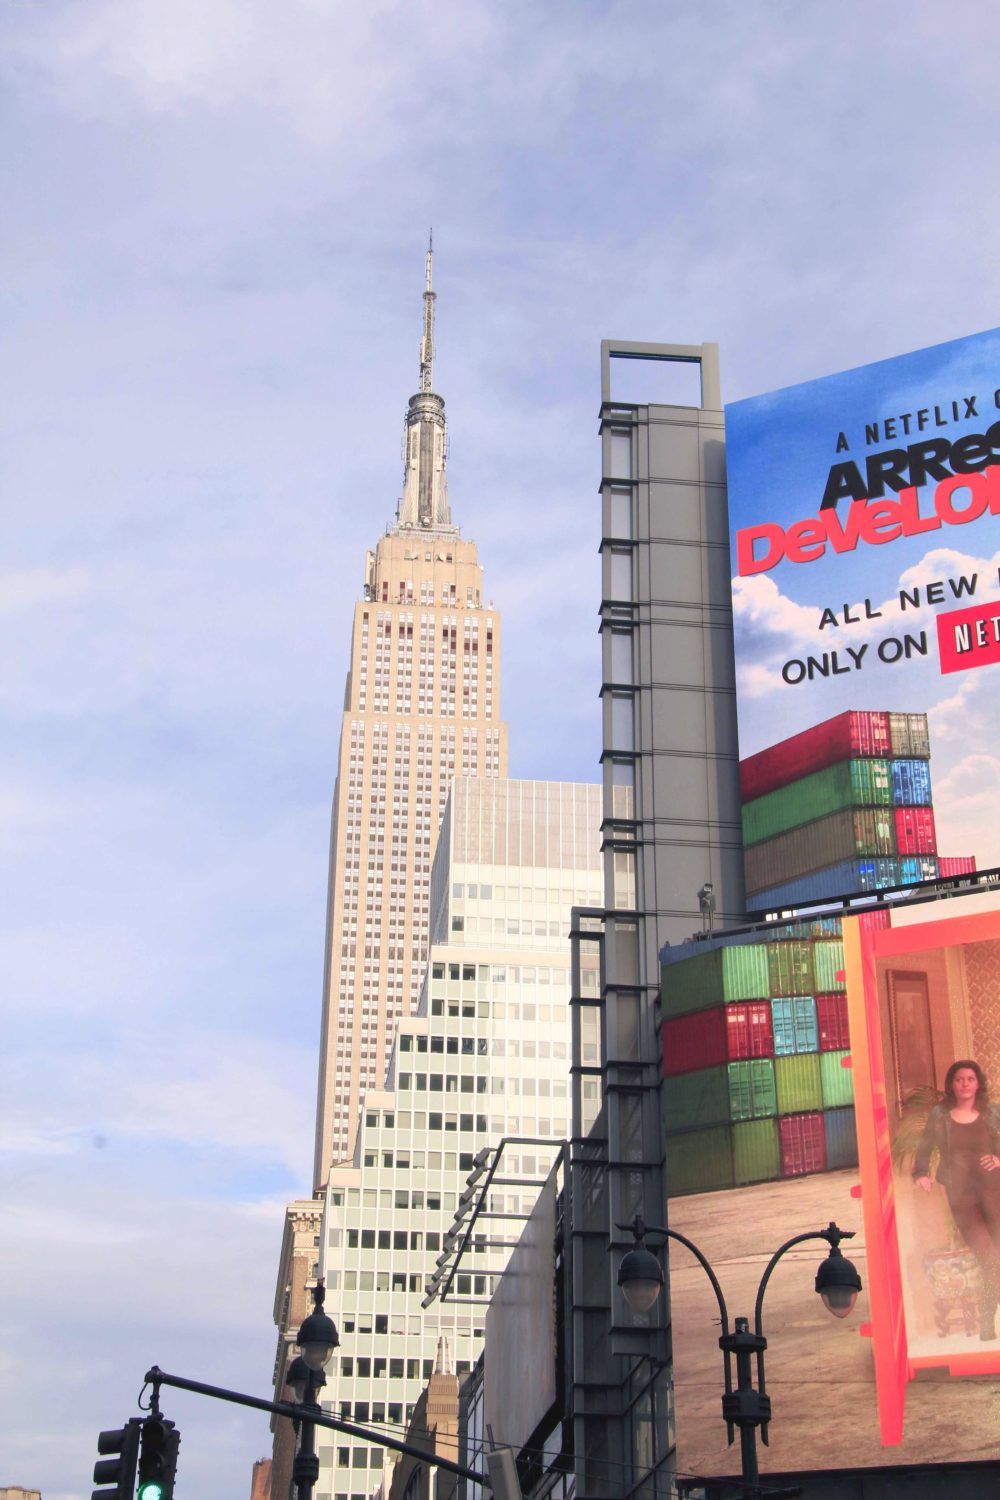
column 838, row 1282
column 640, row 1277
column 317, row 1336
column 297, row 1376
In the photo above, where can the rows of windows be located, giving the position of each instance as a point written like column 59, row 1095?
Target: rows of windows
column 436, row 674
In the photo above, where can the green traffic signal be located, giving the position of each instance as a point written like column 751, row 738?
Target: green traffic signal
column 157, row 1459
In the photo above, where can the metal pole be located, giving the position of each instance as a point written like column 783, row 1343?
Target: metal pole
column 305, row 1468
column 319, row 1418
column 748, row 1429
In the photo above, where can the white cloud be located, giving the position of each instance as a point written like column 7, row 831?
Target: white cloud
column 957, row 719
column 970, row 793
column 760, row 606
column 34, row 588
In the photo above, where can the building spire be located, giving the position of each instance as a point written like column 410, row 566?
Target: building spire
column 424, row 501
column 427, row 342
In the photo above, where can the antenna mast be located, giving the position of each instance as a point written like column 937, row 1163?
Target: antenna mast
column 427, row 342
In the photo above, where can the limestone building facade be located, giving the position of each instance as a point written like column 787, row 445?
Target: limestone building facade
column 421, row 706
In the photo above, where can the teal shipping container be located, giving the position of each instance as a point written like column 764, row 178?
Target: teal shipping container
column 828, row 962
column 752, row 1094
column 756, row 1152
column 699, row 1161
column 836, row 1081
column 807, row 927
column 721, row 975
column 790, row 967
column 849, row 783
column 798, row 1083
column 793, row 1021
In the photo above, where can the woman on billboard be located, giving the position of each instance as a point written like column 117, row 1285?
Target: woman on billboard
column 964, row 1130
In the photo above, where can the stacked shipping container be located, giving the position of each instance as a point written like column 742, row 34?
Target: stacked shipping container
column 842, row 807
column 756, row 1059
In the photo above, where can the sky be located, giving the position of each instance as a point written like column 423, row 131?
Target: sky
column 215, row 214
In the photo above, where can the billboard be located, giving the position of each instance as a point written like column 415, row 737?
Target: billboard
column 832, row 1105
column 865, row 543
column 519, row 1375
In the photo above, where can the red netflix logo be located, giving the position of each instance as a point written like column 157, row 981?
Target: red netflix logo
column 969, row 637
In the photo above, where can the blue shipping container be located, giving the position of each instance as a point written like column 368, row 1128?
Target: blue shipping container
column 852, row 875
column 795, row 1027
column 911, row 783
column 841, row 1138
column 914, row 868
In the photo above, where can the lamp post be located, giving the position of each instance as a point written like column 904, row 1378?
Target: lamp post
column 747, row 1407
column 317, row 1338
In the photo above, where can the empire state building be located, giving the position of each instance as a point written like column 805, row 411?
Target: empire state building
column 421, row 706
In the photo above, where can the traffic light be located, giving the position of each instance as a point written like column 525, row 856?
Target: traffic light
column 119, row 1470
column 157, row 1459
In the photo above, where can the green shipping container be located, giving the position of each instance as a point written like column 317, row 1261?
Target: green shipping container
column 693, row 1099
column 715, row 978
column 756, row 1153
column 699, row 1161
column 752, row 1093
column 790, row 968
column 798, row 1083
column 828, row 962
column 849, row 783
column 837, row 1082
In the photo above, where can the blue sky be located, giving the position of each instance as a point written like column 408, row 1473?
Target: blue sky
column 215, row 217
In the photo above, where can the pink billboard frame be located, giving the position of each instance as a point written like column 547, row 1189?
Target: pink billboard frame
column 894, row 1366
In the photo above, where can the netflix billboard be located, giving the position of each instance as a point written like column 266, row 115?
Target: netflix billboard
column 865, row 540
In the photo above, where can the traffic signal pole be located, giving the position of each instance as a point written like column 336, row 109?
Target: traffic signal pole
column 317, row 1417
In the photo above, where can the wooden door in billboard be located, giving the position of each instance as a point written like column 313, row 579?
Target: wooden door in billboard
column 911, row 1035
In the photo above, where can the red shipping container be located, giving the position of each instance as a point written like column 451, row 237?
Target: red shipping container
column 872, row 921
column 693, row 1042
column 831, row 1017
column 957, row 864
column 854, row 733
column 915, row 830
column 803, row 1144
column 749, row 1030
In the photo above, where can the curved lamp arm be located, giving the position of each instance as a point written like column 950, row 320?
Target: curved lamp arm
column 673, row 1234
column 640, row 1229
column 833, row 1236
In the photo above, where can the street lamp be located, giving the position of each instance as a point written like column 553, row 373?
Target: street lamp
column 747, row 1407
column 317, row 1338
